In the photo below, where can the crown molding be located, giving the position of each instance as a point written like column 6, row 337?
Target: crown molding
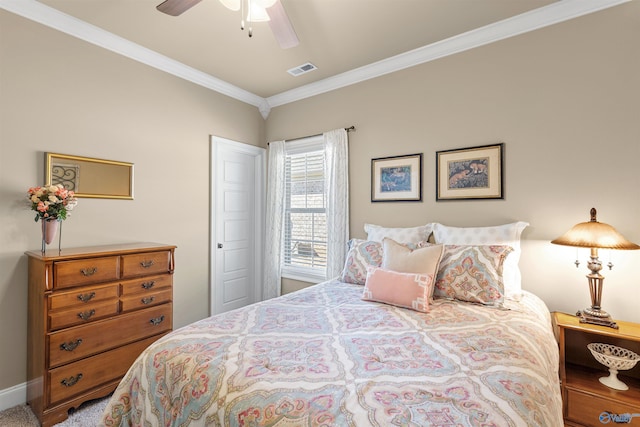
column 553, row 13
column 45, row 15
column 529, row 21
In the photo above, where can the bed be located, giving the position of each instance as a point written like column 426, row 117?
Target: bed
column 327, row 356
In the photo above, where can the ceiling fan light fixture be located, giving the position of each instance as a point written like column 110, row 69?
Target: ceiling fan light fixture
column 265, row 4
column 261, row 11
column 231, row 4
column 258, row 13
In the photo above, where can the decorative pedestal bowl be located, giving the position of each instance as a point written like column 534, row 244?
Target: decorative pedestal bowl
column 616, row 359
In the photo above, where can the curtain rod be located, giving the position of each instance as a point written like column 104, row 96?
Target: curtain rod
column 349, row 129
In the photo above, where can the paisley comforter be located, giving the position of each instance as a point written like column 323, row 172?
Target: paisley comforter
column 324, row 357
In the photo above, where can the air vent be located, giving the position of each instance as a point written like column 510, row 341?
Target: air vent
column 301, row 69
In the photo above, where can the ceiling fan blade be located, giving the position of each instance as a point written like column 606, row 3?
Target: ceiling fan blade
column 176, row 7
column 281, row 26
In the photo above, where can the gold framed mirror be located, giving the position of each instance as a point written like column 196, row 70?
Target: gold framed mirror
column 89, row 177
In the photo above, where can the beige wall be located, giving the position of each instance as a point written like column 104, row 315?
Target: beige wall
column 63, row 95
column 566, row 102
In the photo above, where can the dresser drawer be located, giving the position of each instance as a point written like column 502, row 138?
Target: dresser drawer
column 85, row 271
column 586, row 408
column 81, row 341
column 146, row 299
column 145, row 264
column 146, row 284
column 79, row 315
column 83, row 296
column 73, row 379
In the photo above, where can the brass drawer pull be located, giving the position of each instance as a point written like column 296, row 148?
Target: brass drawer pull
column 146, row 264
column 71, row 381
column 87, row 314
column 70, row 346
column 148, row 300
column 157, row 320
column 89, row 271
column 86, row 297
column 148, row 285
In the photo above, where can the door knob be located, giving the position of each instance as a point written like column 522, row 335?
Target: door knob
column 219, row 245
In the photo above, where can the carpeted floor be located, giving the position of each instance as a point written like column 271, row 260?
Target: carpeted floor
column 87, row 415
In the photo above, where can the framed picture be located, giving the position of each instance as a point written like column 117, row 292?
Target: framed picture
column 90, row 177
column 397, row 179
column 470, row 173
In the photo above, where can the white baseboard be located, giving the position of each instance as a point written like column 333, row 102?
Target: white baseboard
column 13, row 396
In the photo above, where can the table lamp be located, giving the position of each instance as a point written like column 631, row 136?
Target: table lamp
column 595, row 235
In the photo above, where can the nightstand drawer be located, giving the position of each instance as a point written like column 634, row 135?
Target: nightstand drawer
column 85, row 271
column 586, row 408
column 146, row 284
column 73, row 379
column 83, row 296
column 145, row 263
column 84, row 314
column 81, row 341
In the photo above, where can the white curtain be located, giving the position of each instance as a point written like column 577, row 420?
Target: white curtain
column 274, row 216
column 337, row 191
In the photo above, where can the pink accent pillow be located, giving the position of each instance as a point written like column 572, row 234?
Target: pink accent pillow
column 407, row 290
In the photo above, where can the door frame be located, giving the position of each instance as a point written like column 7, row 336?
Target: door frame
column 259, row 155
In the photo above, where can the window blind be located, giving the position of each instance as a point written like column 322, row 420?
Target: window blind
column 305, row 222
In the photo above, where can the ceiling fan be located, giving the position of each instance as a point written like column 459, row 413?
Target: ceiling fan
column 251, row 11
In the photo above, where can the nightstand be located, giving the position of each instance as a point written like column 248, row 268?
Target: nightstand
column 586, row 401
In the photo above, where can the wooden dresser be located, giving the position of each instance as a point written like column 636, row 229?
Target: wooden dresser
column 92, row 311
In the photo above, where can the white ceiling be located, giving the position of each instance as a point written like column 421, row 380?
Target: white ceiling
column 348, row 40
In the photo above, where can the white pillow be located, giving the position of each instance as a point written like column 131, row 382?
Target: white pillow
column 377, row 233
column 507, row 234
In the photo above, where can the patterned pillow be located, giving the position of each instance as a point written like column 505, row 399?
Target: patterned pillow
column 362, row 254
column 418, row 234
column 472, row 273
column 407, row 290
column 507, row 234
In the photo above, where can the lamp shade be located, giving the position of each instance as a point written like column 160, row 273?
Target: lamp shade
column 594, row 234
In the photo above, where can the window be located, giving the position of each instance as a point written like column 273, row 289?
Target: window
column 305, row 218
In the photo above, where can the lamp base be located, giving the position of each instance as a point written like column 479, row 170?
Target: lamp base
column 596, row 312
column 587, row 316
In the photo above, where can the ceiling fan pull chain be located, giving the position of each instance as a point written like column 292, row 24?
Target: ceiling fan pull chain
column 241, row 15
column 249, row 18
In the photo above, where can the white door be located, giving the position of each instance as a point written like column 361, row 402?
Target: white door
column 237, row 216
